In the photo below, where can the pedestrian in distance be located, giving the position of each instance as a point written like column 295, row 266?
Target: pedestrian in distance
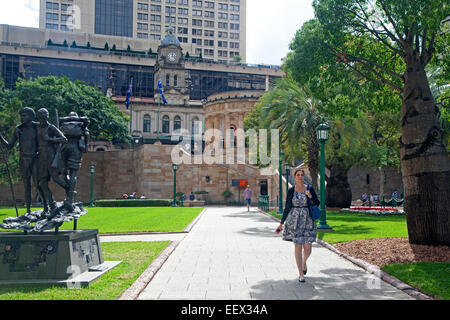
column 248, row 197
column 299, row 227
column 191, row 196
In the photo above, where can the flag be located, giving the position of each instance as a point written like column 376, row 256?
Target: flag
column 161, row 92
column 129, row 94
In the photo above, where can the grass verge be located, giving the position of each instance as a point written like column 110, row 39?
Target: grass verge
column 125, row 220
column 135, row 257
column 431, row 278
column 349, row 227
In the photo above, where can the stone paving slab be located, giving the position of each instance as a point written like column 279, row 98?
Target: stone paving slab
column 234, row 254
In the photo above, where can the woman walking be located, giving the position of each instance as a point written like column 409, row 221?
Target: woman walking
column 300, row 228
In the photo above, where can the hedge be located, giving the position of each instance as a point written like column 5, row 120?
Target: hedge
column 134, row 203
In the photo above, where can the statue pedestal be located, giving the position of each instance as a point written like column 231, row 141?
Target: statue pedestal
column 51, row 258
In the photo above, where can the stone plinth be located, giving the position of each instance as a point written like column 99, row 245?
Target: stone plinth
column 48, row 256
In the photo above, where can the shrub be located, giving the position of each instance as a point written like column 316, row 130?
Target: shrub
column 227, row 194
column 201, row 192
column 134, row 203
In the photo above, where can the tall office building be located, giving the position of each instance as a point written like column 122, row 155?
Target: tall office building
column 214, row 29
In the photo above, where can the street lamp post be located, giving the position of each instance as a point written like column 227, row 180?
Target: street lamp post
column 322, row 135
column 174, row 168
column 92, row 170
column 287, row 168
column 280, row 184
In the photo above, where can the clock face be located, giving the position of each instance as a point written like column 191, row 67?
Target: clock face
column 172, row 56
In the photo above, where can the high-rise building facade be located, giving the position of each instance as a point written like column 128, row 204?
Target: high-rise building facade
column 214, row 29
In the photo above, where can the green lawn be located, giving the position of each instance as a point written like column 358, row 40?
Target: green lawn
column 121, row 220
column 431, row 278
column 349, row 226
column 135, row 257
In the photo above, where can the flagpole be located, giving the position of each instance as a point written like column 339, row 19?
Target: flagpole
column 159, row 101
column 131, row 113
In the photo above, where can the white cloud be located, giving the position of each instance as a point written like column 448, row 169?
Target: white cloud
column 271, row 26
column 20, row 13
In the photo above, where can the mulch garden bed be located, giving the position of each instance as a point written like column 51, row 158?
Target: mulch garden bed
column 384, row 251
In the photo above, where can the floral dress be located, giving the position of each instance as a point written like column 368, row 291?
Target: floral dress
column 300, row 228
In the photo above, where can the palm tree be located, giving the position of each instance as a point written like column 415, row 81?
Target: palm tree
column 290, row 108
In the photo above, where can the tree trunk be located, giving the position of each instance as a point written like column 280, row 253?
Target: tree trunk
column 424, row 159
column 313, row 162
column 339, row 193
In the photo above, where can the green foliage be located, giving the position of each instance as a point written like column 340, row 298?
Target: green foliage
column 9, row 119
column 201, row 192
column 227, row 194
column 133, row 203
column 383, row 142
column 346, row 146
column 290, row 108
column 237, row 59
column 59, row 93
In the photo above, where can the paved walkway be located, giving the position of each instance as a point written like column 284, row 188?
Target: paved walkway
column 232, row 254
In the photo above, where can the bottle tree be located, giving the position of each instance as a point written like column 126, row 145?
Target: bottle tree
column 390, row 42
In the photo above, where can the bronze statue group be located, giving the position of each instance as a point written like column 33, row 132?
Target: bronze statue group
column 47, row 152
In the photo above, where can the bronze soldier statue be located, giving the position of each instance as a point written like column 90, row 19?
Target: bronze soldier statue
column 75, row 130
column 26, row 134
column 49, row 162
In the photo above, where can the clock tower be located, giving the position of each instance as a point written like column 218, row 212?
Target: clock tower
column 170, row 69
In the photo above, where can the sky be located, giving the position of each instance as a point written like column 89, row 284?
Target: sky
column 271, row 24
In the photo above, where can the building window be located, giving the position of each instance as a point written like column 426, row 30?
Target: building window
column 114, row 17
column 175, row 81
column 52, row 5
column 167, row 80
column 177, row 123
column 147, row 123
column 165, row 124
column 195, row 125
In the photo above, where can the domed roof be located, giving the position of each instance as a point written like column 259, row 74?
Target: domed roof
column 170, row 38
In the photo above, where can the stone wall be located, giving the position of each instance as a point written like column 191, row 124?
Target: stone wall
column 363, row 180
column 148, row 170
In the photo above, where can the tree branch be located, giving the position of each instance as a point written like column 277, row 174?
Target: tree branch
column 386, row 29
column 381, row 81
column 383, row 5
column 365, row 61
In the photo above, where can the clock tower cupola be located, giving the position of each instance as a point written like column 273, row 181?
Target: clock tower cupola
column 170, row 69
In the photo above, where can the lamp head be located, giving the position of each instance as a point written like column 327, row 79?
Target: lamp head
column 322, row 132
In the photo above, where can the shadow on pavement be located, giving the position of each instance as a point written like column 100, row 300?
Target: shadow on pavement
column 340, row 284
